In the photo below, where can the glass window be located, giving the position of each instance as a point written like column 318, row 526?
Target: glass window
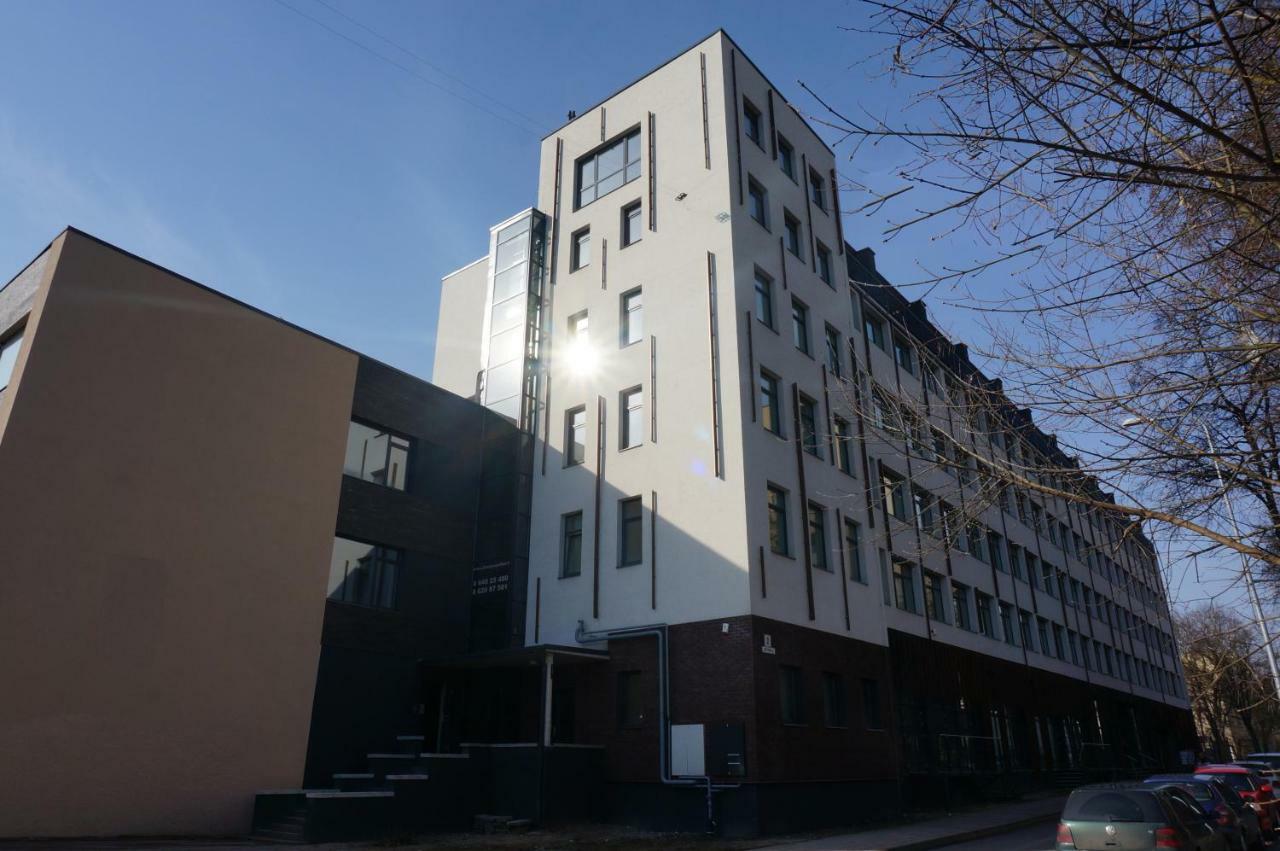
column 764, row 298
column 630, row 700
column 758, row 202
column 632, row 405
column 779, row 532
column 809, row 426
column 377, row 456
column 632, row 227
column 903, row 354
column 791, row 691
column 770, row 403
column 824, row 263
column 843, row 439
column 983, row 605
column 871, row 705
column 1006, row 624
column 786, row 158
column 363, row 574
column 608, row 168
column 833, row 351
column 571, row 544
column 581, row 249
column 853, row 545
column 895, row 493
column 926, row 518
column 833, row 700
column 791, row 232
column 800, row 325
column 817, row 190
column 1024, row 625
column 632, row 317
column 960, row 605
column 578, row 326
column 874, row 328
column 818, row 537
column 1042, row 627
column 753, row 124
column 629, row 531
column 995, row 546
column 933, row 597
column 575, row 436
column 9, row 358
column 904, row 586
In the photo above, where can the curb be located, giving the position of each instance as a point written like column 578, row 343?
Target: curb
column 970, row 835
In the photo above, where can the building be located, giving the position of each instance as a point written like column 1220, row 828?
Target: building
column 771, row 491
column 230, row 546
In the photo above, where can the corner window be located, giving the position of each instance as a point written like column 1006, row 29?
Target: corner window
column 363, row 574
column 571, row 545
column 610, row 167
column 632, row 226
column 833, row 706
column 791, row 692
column 631, row 405
column 824, row 263
column 575, row 436
column 770, row 403
column 9, row 358
column 758, row 202
column 581, row 250
column 818, row 538
column 754, row 124
column 632, row 320
column 874, row 328
column 764, row 298
column 378, row 456
column 630, row 540
column 779, row 532
column 809, row 427
column 817, row 190
column 786, row 157
column 791, row 233
column 800, row 325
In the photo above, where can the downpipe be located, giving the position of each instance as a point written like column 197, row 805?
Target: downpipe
column 659, row 631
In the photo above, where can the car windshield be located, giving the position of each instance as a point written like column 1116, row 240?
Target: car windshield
column 1199, row 791
column 1109, row 805
column 1236, row 780
column 1272, row 760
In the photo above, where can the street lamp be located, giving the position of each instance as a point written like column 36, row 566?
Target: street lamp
column 1245, row 567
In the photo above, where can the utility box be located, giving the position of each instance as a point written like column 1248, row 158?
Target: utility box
column 727, row 750
column 688, row 751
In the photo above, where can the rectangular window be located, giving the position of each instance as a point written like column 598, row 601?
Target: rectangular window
column 630, row 700
column 575, row 436
column 933, row 597
column 791, row 233
column 1050, row 579
column 1015, row 560
column 581, row 250
column 874, row 328
column 752, row 122
column 779, row 529
column 770, row 403
column 1059, row 645
column 904, row 355
column 764, row 298
column 1042, row 629
column 578, row 327
column 786, row 157
column 843, row 441
column 817, row 190
column 632, row 317
column 630, row 540
column 571, row 544
column 834, row 349
column 758, row 202
column 960, row 605
column 833, row 705
column 904, row 586
column 853, row 545
column 871, row 705
column 609, row 168
column 363, row 574
column 995, row 546
column 818, row 537
column 791, row 690
column 824, row 263
column 926, row 519
column 895, row 493
column 632, row 225
column 631, row 404
column 800, row 325
column 982, row 603
column 977, row 542
column 9, row 358
column 809, row 427
column 1024, row 627
column 1006, row 624
column 376, row 455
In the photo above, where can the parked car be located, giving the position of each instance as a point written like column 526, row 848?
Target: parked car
column 1250, row 786
column 1234, row 818
column 1135, row 815
column 1271, row 759
column 1261, row 767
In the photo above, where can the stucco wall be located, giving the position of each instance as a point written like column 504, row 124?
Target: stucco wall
column 169, row 480
column 459, row 329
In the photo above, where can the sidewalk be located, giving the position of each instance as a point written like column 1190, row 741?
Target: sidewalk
column 935, row 833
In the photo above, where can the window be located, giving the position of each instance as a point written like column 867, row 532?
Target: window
column 800, row 325
column 833, row 708
column 817, row 190
column 632, row 227
column 809, row 426
column 904, row 355
column 1050, row 579
column 630, row 701
column 895, row 493
column 824, row 263
column 995, row 546
column 575, row 436
column 786, row 157
column 874, row 328
column 791, row 233
column 1074, row 644
column 758, row 202
column 779, row 529
column 960, row 605
column 843, row 438
column 1024, row 627
column 1015, row 560
column 9, row 358
column 770, row 403
column 631, row 403
column 630, row 541
column 754, row 124
column 1059, row 645
column 818, row 537
column 378, row 456
column 986, row 625
column 791, row 690
column 632, row 324
column 926, row 519
column 578, row 327
column 571, row 544
column 904, row 586
column 581, row 250
column 853, row 544
column 871, row 705
column 977, row 542
column 764, row 298
column 363, row 574
column 1006, row 624
column 610, row 167
column 933, row 597
column 1042, row 628
column 833, row 351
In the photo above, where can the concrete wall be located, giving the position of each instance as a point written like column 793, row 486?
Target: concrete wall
column 459, row 333
column 170, row 470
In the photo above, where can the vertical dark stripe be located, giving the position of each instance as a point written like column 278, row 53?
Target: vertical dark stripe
column 602, row 114
column 604, row 264
column 546, row 420
column 826, row 403
column 773, row 128
column 595, row 544
column 537, row 609
column 653, row 550
column 751, row 367
column 706, row 126
column 653, row 173
column 804, row 498
column 844, row 573
column 653, row 389
column 737, row 123
column 764, row 584
column 713, row 333
column 808, row 211
column 782, row 258
column 835, row 209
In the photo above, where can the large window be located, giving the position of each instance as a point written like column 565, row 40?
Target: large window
column 809, row 426
column 770, row 403
column 632, row 319
column 571, row 544
column 800, row 325
column 791, row 691
column 833, row 703
column 607, row 169
column 818, row 537
column 363, row 574
column 630, row 539
column 853, row 545
column 377, row 456
column 764, row 298
column 9, row 358
column 631, row 403
column 575, row 436
column 779, row 531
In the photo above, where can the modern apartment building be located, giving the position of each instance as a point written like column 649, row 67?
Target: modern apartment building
column 775, row 495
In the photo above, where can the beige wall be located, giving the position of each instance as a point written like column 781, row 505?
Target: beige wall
column 169, row 481
column 459, row 329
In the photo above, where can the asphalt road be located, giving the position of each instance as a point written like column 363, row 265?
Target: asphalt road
column 1038, row 838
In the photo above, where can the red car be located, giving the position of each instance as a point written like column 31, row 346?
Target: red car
column 1253, row 788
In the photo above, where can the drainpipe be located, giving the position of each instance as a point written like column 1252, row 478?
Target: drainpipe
column 659, row 631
